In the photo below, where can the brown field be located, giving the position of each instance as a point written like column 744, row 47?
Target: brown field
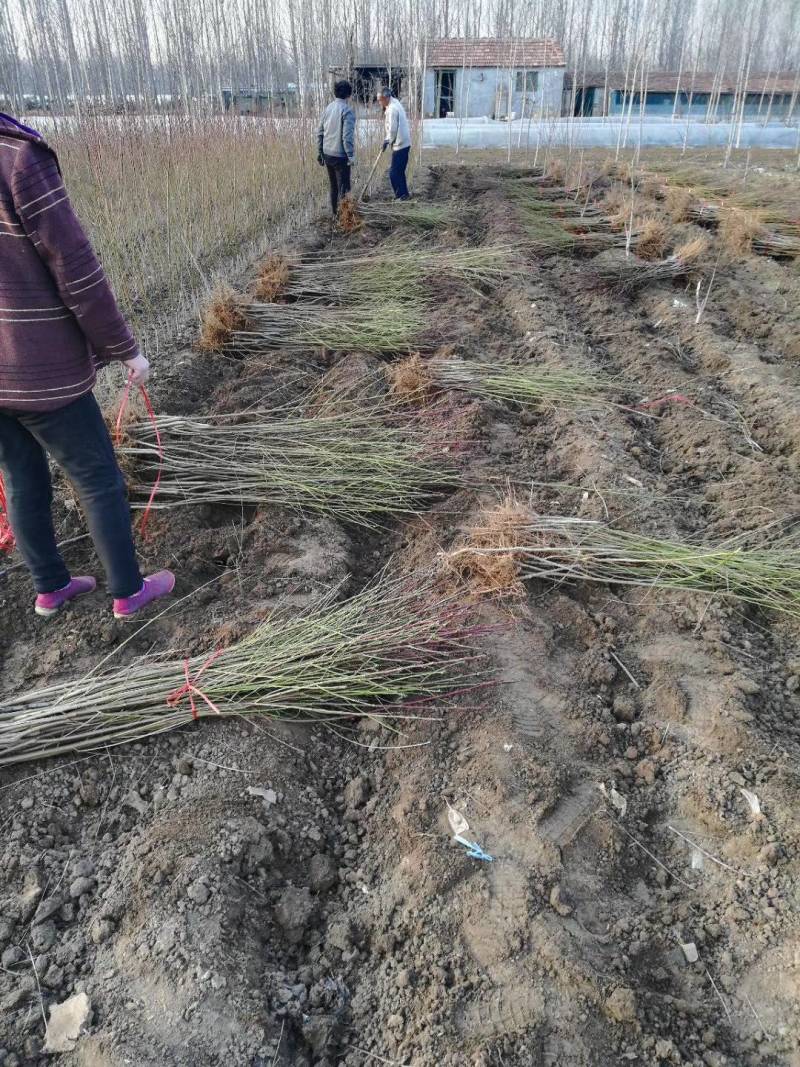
column 275, row 893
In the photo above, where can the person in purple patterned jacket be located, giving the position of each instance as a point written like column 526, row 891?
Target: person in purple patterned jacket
column 59, row 322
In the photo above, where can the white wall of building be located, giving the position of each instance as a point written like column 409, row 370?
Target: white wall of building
column 483, row 92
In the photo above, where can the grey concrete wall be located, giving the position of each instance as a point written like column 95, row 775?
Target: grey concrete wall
column 482, row 92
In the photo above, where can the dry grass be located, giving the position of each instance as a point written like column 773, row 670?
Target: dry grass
column 692, row 251
column 213, row 187
column 348, row 219
column 679, row 203
column 653, row 238
column 222, row 316
column 273, row 277
column 409, row 380
column 738, row 230
column 649, row 186
column 617, row 202
column 485, row 562
column 624, row 171
column 556, row 171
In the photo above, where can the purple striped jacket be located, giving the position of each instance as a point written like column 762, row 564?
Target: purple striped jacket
column 59, row 320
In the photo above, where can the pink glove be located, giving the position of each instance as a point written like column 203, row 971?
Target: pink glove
column 139, row 368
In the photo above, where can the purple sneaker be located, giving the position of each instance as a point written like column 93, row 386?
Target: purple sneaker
column 48, row 604
column 156, row 585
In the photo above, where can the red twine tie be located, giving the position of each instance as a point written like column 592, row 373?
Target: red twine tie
column 670, row 398
column 190, row 688
column 6, row 533
column 118, row 437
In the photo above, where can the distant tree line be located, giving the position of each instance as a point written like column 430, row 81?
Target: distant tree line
column 83, row 53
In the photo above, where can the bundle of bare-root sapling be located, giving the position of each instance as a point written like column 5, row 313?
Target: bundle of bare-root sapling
column 382, row 326
column 527, row 384
column 581, row 550
column 401, row 272
column 223, row 314
column 628, row 273
column 414, row 214
column 384, row 652
column 357, row 464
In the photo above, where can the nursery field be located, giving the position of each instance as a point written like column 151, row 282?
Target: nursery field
column 484, row 510
column 169, row 200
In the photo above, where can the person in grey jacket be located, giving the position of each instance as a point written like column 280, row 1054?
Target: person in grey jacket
column 336, row 140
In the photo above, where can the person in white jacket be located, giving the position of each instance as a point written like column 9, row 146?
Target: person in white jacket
column 397, row 134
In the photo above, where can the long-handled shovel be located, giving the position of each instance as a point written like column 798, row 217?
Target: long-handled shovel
column 371, row 176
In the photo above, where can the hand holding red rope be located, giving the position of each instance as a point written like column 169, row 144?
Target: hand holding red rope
column 118, row 437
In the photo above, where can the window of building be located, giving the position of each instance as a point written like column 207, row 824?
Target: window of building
column 527, row 81
column 652, row 98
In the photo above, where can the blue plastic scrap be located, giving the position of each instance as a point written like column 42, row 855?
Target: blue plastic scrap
column 474, row 850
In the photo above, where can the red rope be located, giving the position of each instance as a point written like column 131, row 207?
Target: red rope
column 669, row 398
column 123, row 407
column 6, row 533
column 190, row 689
column 118, row 438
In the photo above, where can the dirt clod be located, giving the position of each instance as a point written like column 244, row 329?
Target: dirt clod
column 322, row 873
column 294, row 912
column 621, row 1005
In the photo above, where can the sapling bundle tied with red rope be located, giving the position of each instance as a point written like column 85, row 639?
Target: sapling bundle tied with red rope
column 357, row 464
column 385, row 652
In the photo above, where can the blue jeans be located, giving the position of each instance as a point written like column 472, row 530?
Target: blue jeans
column 77, row 438
column 397, row 172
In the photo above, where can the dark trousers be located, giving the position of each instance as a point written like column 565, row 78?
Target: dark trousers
column 339, row 176
column 397, row 173
column 78, row 440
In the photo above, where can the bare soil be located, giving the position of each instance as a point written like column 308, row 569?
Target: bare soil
column 263, row 894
